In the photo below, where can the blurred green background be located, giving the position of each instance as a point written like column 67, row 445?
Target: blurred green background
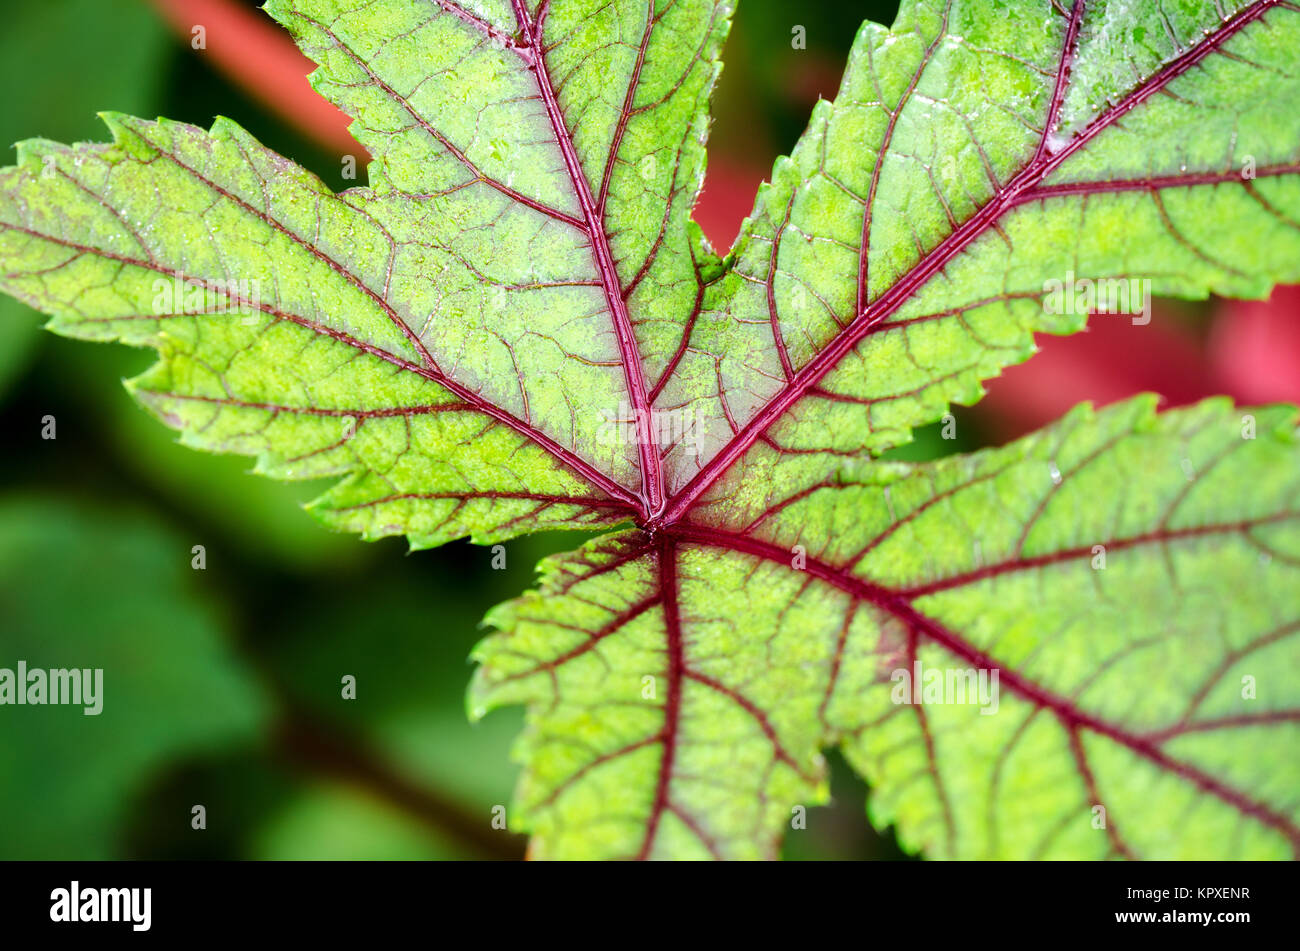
column 223, row 685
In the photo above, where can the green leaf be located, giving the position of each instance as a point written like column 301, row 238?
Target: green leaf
column 516, row 327
column 998, row 149
column 72, row 597
column 322, row 375
column 680, row 691
column 128, row 46
column 604, row 122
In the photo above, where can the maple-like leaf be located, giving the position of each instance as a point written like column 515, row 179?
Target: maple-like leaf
column 1116, row 623
column 516, row 326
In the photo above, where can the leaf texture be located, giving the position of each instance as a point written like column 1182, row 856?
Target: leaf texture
column 515, row 326
column 271, row 302
column 1114, row 621
column 993, row 167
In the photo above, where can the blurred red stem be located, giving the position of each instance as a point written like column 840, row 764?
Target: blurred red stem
column 257, row 55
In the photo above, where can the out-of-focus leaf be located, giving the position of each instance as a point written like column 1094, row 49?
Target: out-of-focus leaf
column 83, row 589
column 410, row 663
column 329, row 821
column 19, row 326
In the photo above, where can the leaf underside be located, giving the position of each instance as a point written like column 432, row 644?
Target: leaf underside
column 515, row 326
